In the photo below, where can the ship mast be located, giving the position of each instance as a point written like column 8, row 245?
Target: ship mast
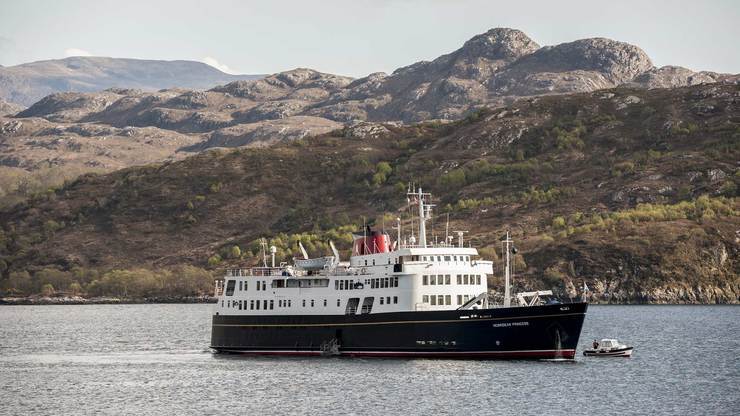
column 507, row 271
column 425, row 212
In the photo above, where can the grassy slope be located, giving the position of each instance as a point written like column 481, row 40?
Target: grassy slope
column 589, row 159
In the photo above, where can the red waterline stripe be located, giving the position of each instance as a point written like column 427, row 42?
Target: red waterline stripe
column 568, row 353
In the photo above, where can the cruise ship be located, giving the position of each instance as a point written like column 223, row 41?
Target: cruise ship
column 402, row 298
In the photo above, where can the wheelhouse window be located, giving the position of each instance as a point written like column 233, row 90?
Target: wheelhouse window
column 395, row 299
column 272, row 304
column 459, row 279
column 459, row 299
column 477, row 279
column 425, row 298
column 433, row 300
column 448, row 299
column 230, row 285
column 425, row 280
column 240, row 285
column 447, row 279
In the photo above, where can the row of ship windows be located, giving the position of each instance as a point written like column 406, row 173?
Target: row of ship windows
column 445, row 258
column 441, row 300
column 440, row 279
column 270, row 304
column 428, row 258
column 379, row 283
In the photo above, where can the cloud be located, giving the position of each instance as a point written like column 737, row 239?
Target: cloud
column 218, row 65
column 76, row 52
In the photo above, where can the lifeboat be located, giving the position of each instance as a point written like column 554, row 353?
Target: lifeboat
column 608, row 347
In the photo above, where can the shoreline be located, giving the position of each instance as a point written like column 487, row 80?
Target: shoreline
column 103, row 300
column 110, row 300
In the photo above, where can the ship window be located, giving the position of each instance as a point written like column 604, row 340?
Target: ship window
column 230, row 287
column 459, row 299
column 447, row 279
column 454, row 257
column 258, row 304
column 459, row 279
column 395, row 281
column 447, row 258
column 289, row 302
column 387, row 282
column 351, row 285
column 336, row 285
column 477, row 279
column 466, row 298
column 264, row 304
column 425, row 298
column 339, row 303
column 373, row 262
column 278, row 283
column 441, row 299
column 352, row 304
column 395, row 299
column 433, row 279
column 382, row 300
column 240, row 285
column 272, row 304
column 304, row 303
column 280, row 303
column 465, row 279
column 367, row 304
column 341, row 285
column 425, row 280
column 251, row 304
column 365, row 262
column 325, row 303
column 433, row 299
column 448, row 299
column 312, row 303
column 439, row 258
column 388, row 300
column 222, row 303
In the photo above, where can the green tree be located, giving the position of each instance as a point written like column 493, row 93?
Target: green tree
column 214, row 260
column 558, row 222
column 47, row 290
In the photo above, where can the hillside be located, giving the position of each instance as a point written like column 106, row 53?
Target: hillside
column 633, row 191
column 27, row 83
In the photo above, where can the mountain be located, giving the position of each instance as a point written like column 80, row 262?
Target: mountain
column 27, row 83
column 633, row 191
column 65, row 134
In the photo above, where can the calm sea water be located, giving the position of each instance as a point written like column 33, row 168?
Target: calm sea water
column 153, row 359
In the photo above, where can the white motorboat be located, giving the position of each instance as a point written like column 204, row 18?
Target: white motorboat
column 608, row 347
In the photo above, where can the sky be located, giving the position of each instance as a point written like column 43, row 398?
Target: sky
column 355, row 38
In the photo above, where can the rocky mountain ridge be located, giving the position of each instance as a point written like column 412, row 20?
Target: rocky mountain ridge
column 492, row 69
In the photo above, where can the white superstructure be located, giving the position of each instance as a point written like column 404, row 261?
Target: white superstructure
column 380, row 277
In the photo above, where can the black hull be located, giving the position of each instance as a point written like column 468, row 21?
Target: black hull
column 549, row 331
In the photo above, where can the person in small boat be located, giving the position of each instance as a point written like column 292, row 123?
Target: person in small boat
column 596, row 344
